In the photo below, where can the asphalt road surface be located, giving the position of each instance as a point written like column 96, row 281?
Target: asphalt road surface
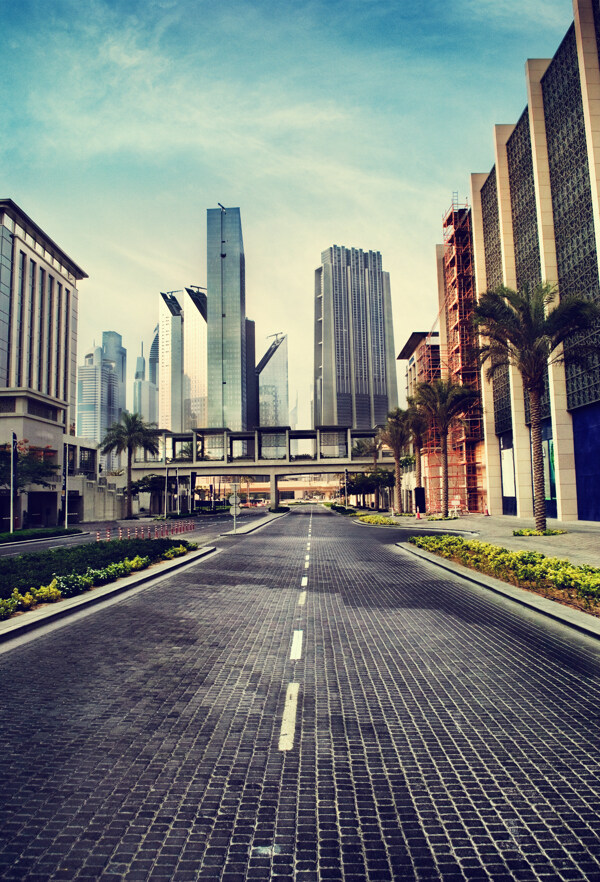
column 309, row 703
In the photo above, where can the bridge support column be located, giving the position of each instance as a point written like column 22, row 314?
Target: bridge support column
column 274, row 493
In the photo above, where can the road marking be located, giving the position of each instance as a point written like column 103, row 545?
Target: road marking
column 307, row 557
column 308, row 546
column 296, row 651
column 302, row 598
column 306, row 565
column 288, row 722
column 304, row 582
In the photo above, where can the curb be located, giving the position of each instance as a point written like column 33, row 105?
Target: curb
column 245, row 530
column 572, row 618
column 11, row 628
column 411, row 527
column 44, row 539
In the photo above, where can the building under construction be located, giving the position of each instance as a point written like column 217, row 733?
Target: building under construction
column 451, row 352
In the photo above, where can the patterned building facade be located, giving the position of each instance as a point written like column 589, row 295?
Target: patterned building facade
column 536, row 217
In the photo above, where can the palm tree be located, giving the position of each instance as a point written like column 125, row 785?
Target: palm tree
column 527, row 329
column 418, row 425
column 444, row 403
column 369, row 447
column 130, row 434
column 396, row 434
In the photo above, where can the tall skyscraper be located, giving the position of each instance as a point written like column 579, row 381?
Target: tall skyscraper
column 153, row 359
column 38, row 322
column 114, row 352
column 227, row 331
column 98, row 395
column 182, row 360
column 272, row 376
column 145, row 393
column 170, row 363
column 355, row 368
column 194, row 307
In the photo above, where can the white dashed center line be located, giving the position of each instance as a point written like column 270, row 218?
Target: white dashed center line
column 296, row 651
column 288, row 723
column 302, row 598
column 304, row 582
column 306, row 565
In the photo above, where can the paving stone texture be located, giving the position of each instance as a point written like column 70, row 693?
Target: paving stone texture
column 441, row 734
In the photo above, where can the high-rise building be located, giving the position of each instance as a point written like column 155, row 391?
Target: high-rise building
column 170, row 363
column 182, row 360
column 153, row 359
column 114, row 352
column 272, row 376
column 194, row 308
column 536, row 217
column 38, row 323
column 227, row 330
column 145, row 393
column 355, row 368
column 98, row 397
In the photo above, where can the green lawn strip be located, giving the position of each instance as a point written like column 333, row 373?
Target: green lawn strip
column 71, row 569
column 41, row 533
column 525, row 569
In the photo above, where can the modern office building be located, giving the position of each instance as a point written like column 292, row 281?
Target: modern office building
column 38, row 374
column 170, row 363
column 145, row 393
column 272, row 377
column 38, row 323
column 227, row 330
column 536, row 216
column 114, row 352
column 153, row 359
column 354, row 369
column 98, row 400
column 195, row 388
column 182, row 360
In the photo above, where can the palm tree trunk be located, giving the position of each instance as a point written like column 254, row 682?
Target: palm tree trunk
column 375, row 474
column 398, row 485
column 539, row 500
column 128, row 502
column 444, row 446
column 418, row 477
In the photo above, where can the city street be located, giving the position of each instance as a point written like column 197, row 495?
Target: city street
column 308, row 703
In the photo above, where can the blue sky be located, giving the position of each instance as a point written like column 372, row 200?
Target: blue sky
column 326, row 122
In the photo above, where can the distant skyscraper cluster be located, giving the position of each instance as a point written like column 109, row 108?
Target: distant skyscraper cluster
column 101, row 390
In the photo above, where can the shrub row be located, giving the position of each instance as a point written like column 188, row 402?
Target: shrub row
column 38, row 568
column 378, row 520
column 526, row 531
column 39, row 533
column 342, row 509
column 71, row 584
column 526, row 569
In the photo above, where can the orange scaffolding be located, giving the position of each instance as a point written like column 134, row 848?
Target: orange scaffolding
column 458, row 360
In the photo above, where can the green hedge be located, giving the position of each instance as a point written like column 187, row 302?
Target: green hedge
column 71, row 584
column 41, row 533
column 342, row 509
column 377, row 520
column 526, row 569
column 35, row 569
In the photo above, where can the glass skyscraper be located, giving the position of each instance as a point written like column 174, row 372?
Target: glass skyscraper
column 355, row 366
column 182, row 360
column 227, row 330
column 272, row 375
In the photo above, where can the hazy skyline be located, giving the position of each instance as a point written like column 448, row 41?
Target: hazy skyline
column 325, row 122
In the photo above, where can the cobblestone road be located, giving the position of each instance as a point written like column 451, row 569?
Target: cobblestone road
column 439, row 733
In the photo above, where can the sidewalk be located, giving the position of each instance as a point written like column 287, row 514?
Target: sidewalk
column 580, row 544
